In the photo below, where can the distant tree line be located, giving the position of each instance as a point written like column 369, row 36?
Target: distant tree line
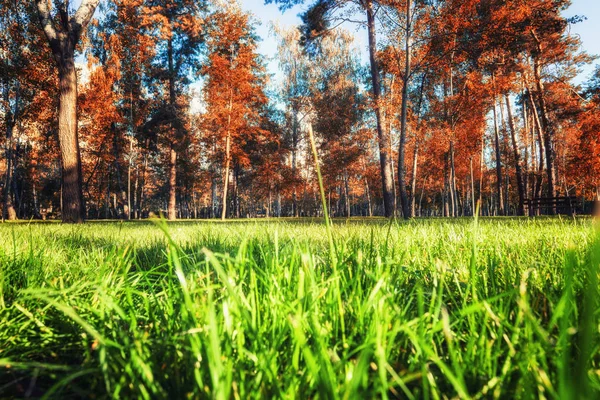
column 127, row 108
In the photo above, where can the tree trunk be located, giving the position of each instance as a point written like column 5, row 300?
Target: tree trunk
column 347, row 195
column 500, row 197
column 541, row 146
column 527, row 131
column 453, row 194
column 128, row 211
column 8, row 209
column 226, row 176
column 413, row 184
column 473, row 207
column 382, row 135
column 481, row 159
column 407, row 210
column 214, row 202
column 72, row 195
column 548, row 132
column 172, row 206
column 517, row 156
column 367, row 190
column 62, row 42
column 295, row 160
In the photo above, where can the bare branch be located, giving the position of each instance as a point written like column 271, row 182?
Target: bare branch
column 43, row 8
column 83, row 16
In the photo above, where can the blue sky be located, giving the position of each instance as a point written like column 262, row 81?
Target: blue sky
column 588, row 30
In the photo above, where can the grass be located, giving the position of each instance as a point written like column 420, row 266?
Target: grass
column 503, row 308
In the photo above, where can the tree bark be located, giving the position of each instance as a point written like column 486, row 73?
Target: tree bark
column 413, row 185
column 62, row 39
column 73, row 206
column 382, row 135
column 517, row 156
column 500, row 198
column 8, row 209
column 546, row 126
column 295, row 159
column 407, row 210
column 172, row 205
column 452, row 183
column 541, row 146
column 226, row 175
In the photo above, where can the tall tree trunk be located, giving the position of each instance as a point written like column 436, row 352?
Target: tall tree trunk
column 446, row 202
column 546, row 125
column 407, row 210
column 481, row 158
column 526, row 133
column 541, row 145
column 172, row 205
column 226, row 175
column 347, row 194
column 295, row 126
column 214, row 202
column 10, row 119
column 517, row 156
column 8, row 209
column 227, row 156
column 278, row 204
column 453, row 191
column 367, row 190
column 382, row 135
column 72, row 196
column 142, row 201
column 500, row 197
column 413, row 184
column 128, row 211
column 473, row 207
column 62, row 39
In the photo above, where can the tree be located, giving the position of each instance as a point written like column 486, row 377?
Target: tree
column 63, row 37
column 317, row 20
column 294, row 63
column 177, row 27
column 234, row 94
column 338, row 114
column 131, row 49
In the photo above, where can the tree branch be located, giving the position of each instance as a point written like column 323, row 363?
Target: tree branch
column 83, row 16
column 46, row 19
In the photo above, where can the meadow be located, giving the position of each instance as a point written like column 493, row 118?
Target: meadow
column 425, row 309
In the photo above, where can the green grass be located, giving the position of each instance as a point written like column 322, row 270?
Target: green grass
column 507, row 308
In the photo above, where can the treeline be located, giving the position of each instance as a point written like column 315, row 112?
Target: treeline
column 173, row 110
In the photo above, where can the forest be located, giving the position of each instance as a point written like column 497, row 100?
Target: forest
column 124, row 109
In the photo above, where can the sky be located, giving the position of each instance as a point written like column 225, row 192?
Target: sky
column 588, row 30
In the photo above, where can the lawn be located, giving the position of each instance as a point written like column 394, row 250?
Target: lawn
column 503, row 308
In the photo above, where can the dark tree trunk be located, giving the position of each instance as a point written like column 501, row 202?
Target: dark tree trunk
column 382, row 135
column 500, row 197
column 8, row 209
column 63, row 38
column 295, row 159
column 517, row 156
column 172, row 205
column 413, row 185
column 541, row 146
column 548, row 134
column 72, row 196
column 407, row 210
